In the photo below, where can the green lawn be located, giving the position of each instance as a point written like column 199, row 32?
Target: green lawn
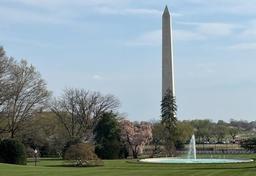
column 124, row 168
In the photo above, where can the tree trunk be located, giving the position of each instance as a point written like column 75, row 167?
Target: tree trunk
column 134, row 153
column 12, row 134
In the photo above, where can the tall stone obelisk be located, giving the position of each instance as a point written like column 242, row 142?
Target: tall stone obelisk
column 167, row 54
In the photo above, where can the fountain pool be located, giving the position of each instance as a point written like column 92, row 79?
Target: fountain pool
column 191, row 158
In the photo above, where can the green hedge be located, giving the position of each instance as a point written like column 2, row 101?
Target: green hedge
column 12, row 152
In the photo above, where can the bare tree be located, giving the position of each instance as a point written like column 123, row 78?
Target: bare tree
column 5, row 64
column 28, row 94
column 79, row 110
column 5, row 92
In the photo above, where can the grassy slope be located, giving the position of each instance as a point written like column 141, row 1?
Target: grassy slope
column 122, row 168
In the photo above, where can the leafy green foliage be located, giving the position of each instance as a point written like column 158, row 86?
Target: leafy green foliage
column 124, row 151
column 107, row 137
column 233, row 131
column 204, row 129
column 220, row 132
column 184, row 133
column 157, row 137
column 249, row 144
column 12, row 152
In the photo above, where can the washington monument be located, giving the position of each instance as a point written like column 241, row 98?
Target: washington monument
column 167, row 54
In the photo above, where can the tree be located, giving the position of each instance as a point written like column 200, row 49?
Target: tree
column 220, row 132
column 5, row 64
column 107, row 136
column 79, row 110
column 157, row 137
column 136, row 135
column 5, row 94
column 203, row 129
column 242, row 125
column 43, row 133
column 249, row 144
column 184, row 133
column 233, row 131
column 28, row 95
column 169, row 121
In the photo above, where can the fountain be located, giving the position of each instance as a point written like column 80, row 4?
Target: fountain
column 191, row 157
column 192, row 148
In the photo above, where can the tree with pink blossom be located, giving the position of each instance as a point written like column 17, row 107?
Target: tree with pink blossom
column 136, row 135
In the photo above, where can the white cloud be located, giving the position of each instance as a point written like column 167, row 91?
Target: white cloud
column 249, row 31
column 97, row 77
column 133, row 11
column 244, row 46
column 151, row 38
column 129, row 11
column 29, row 42
column 66, row 11
column 184, row 35
column 50, row 4
column 19, row 15
column 238, row 7
column 215, row 29
column 198, row 31
column 154, row 38
column 234, row 7
column 212, row 29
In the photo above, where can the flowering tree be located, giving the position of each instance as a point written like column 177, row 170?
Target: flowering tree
column 136, row 135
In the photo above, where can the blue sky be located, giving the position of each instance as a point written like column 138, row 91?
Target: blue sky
column 114, row 46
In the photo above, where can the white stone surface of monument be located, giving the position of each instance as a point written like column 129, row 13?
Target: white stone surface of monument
column 167, row 54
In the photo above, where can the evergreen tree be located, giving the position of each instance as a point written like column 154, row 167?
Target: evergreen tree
column 107, row 137
column 169, row 121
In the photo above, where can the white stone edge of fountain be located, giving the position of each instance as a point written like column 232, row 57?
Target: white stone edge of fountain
column 158, row 160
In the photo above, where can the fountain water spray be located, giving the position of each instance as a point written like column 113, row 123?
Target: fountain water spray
column 192, row 148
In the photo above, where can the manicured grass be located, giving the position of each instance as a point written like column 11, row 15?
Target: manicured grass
column 52, row 167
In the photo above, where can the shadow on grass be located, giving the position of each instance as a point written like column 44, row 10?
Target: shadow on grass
column 71, row 166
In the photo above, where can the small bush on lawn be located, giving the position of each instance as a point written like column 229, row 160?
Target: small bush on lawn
column 12, row 152
column 70, row 143
column 82, row 155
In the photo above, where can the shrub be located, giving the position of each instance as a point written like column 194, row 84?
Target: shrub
column 12, row 152
column 69, row 144
column 82, row 155
column 124, row 152
column 249, row 144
